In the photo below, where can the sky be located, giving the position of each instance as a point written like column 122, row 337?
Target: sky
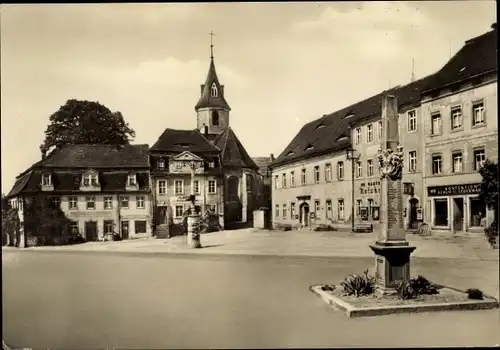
column 282, row 64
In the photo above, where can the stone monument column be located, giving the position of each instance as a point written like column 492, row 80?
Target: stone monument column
column 193, row 238
column 392, row 250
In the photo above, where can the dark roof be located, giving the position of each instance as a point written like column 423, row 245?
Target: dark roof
column 69, row 181
column 332, row 132
column 183, row 140
column 96, row 156
column 206, row 100
column 262, row 162
column 233, row 152
column 478, row 56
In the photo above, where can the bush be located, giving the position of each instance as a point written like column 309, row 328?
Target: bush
column 414, row 287
column 359, row 285
column 474, row 293
column 405, row 290
column 492, row 233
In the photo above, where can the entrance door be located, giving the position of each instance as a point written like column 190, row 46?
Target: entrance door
column 162, row 215
column 125, row 232
column 304, row 214
column 458, row 214
column 91, row 231
column 413, row 223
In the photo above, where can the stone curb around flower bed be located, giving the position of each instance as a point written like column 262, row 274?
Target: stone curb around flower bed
column 352, row 311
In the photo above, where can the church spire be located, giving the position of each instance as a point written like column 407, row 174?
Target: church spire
column 211, row 45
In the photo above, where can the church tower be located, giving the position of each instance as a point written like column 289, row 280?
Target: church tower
column 212, row 108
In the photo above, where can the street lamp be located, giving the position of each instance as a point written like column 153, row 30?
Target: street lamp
column 352, row 155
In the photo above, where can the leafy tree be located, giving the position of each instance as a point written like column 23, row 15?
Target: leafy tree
column 86, row 122
column 489, row 194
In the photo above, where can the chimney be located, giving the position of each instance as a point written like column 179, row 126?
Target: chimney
column 272, row 157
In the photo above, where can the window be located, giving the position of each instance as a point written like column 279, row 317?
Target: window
column 457, row 162
column 369, row 166
column 412, row 161
column 55, row 202
column 436, row 124
column 108, row 202
column 456, row 118
column 369, row 132
column 90, row 202
column 277, row 211
column 179, row 186
column 329, row 209
column 21, row 205
column 478, row 114
column 341, row 209
column 211, row 186
column 328, row 172
column 412, row 120
column 440, row 212
column 46, row 180
column 178, row 165
column 358, row 207
column 436, row 164
column 370, row 207
column 162, row 187
column 303, row 176
column 213, row 90
column 211, row 164
column 276, row 181
column 124, row 202
column 292, row 178
column 90, row 180
column 132, row 181
column 139, row 202
column 317, row 208
column 359, row 169
column 477, row 212
column 215, row 118
column 316, row 174
column 196, row 186
column 479, row 158
column 284, row 180
column 74, row 227
column 357, row 136
column 380, row 130
column 340, row 170
column 284, row 211
column 292, row 210
column 108, row 226
column 179, row 210
column 140, row 226
column 161, row 164
column 73, row 202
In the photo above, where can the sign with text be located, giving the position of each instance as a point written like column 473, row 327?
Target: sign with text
column 369, row 187
column 454, row 190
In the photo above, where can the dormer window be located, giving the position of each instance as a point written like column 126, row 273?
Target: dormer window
column 211, row 164
column 320, row 126
column 290, row 153
column 46, row 180
column 309, row 147
column 90, row 180
column 161, row 164
column 132, row 180
column 213, row 90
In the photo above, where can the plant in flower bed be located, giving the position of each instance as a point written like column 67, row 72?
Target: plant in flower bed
column 415, row 287
column 328, row 288
column 474, row 293
column 358, row 285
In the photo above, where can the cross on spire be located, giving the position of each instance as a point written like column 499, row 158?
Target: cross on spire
column 211, row 45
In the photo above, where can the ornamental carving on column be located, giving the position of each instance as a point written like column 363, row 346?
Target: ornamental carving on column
column 391, row 163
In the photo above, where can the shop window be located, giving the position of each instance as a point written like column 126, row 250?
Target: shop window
column 441, row 212
column 477, row 212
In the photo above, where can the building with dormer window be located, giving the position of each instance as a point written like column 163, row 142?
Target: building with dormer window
column 100, row 188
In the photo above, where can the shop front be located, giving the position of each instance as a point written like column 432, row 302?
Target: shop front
column 457, row 208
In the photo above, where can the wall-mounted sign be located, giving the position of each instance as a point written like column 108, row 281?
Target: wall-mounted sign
column 369, row 187
column 408, row 188
column 454, row 190
column 375, row 213
column 364, row 213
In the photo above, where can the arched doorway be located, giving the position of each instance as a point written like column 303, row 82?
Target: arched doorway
column 412, row 222
column 304, row 214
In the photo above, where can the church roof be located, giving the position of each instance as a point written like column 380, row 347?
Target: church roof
column 206, row 99
column 478, row 56
column 173, row 140
column 233, row 152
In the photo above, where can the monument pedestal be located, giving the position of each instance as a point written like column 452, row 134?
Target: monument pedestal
column 392, row 264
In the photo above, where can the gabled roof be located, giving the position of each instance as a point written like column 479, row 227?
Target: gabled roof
column 262, row 162
column 478, row 56
column 206, row 99
column 187, row 155
column 233, row 152
column 97, row 156
column 178, row 141
column 20, row 184
column 332, row 132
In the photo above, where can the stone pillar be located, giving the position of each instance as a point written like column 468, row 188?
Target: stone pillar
column 392, row 251
column 192, row 236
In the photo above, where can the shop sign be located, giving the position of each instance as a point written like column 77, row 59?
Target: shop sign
column 454, row 190
column 369, row 187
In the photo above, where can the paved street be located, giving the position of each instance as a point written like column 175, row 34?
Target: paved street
column 94, row 300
